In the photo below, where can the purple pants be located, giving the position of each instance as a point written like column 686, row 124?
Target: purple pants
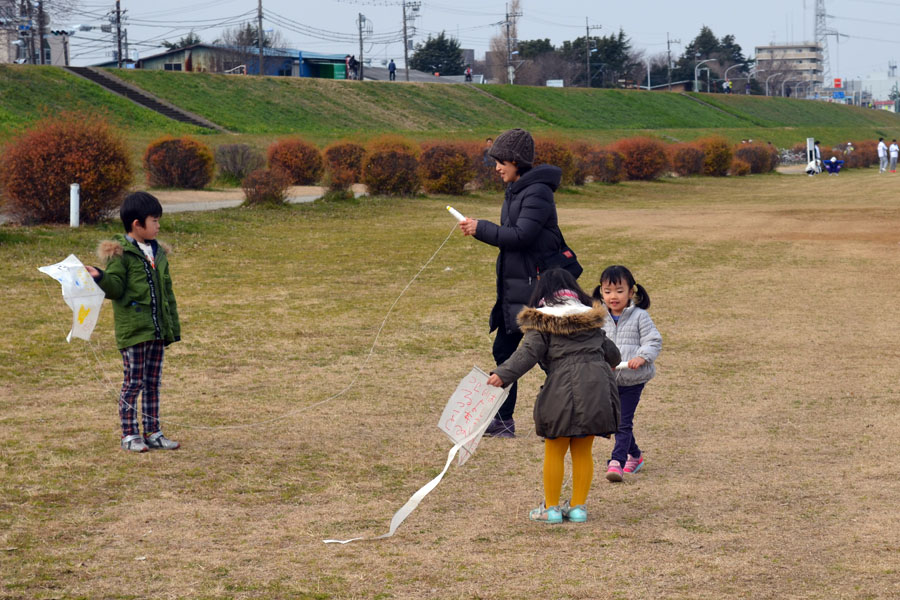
column 629, row 397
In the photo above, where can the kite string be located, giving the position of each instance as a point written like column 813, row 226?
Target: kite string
column 346, row 389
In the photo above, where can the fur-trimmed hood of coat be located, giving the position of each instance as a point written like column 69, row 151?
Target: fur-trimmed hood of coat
column 539, row 320
column 110, row 248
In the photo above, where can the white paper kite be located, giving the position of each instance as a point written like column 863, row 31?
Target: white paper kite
column 80, row 292
column 465, row 419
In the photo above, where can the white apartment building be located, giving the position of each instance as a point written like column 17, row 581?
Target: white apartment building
column 796, row 62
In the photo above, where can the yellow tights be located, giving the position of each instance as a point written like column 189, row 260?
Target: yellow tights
column 582, row 468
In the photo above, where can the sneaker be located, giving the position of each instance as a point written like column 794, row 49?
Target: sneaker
column 134, row 443
column 575, row 514
column 633, row 465
column 614, row 471
column 157, row 441
column 546, row 515
column 501, row 428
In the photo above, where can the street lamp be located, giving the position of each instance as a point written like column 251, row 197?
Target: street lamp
column 767, row 81
column 695, row 71
column 725, row 76
column 648, row 73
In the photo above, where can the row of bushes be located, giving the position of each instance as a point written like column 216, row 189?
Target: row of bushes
column 36, row 169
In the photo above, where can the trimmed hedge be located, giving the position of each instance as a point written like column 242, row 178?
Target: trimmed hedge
column 299, row 160
column 445, row 169
column 645, row 157
column 391, row 173
column 551, row 152
column 37, row 168
column 343, row 161
column 266, row 186
column 687, row 159
column 604, row 165
column 179, row 163
column 236, row 161
column 717, row 156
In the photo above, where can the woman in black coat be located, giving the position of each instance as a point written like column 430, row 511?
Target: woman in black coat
column 528, row 232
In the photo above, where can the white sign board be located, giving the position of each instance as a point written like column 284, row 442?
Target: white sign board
column 470, row 409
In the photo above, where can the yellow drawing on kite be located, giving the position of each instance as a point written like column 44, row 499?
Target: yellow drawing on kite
column 83, row 313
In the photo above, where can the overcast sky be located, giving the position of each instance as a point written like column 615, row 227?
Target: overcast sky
column 871, row 27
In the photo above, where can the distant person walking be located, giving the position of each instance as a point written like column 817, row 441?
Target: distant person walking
column 347, row 67
column 882, row 155
column 392, row 70
column 487, row 159
column 894, row 150
column 354, row 67
column 468, row 73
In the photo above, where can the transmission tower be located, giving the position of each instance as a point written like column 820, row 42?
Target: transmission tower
column 822, row 32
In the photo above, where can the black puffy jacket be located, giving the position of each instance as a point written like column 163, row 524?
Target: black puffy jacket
column 528, row 232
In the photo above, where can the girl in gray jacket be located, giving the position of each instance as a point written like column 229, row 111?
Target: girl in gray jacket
column 628, row 325
column 563, row 332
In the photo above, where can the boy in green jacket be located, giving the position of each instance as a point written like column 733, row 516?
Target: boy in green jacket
column 137, row 282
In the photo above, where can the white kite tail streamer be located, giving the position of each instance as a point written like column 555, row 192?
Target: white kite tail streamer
column 416, row 498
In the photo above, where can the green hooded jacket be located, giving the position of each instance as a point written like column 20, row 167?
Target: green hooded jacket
column 142, row 298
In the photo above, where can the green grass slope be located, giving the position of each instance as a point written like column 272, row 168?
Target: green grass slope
column 29, row 93
column 785, row 112
column 283, row 104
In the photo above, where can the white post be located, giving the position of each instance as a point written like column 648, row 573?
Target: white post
column 74, row 204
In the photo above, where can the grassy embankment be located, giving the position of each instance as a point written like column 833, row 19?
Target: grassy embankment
column 258, row 109
column 760, row 430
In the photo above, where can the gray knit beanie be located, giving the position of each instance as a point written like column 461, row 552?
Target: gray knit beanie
column 515, row 145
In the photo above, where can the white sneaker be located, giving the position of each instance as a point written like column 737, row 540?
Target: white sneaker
column 134, row 443
column 157, row 441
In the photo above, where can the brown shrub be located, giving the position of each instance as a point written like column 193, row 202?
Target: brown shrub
column 179, row 163
column 645, row 157
column 865, row 154
column 581, row 151
column 298, row 159
column 37, row 168
column 236, row 161
column 484, row 167
column 606, row 166
column 687, row 159
column 343, row 165
column 266, row 186
column 550, row 152
column 445, row 169
column 390, row 142
column 758, row 156
column 740, row 167
column 391, row 173
column 717, row 156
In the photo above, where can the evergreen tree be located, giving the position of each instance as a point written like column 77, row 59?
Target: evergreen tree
column 529, row 49
column 191, row 39
column 438, row 55
column 725, row 53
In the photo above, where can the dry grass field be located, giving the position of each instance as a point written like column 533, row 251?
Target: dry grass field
column 770, row 431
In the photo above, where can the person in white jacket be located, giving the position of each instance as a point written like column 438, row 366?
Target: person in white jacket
column 882, row 155
column 630, row 327
column 893, row 151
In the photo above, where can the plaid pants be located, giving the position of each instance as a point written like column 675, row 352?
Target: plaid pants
column 143, row 371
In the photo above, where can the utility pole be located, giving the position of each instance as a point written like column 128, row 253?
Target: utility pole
column 361, row 21
column 27, row 11
column 669, row 59
column 118, row 34
column 587, row 50
column 40, row 28
column 259, row 35
column 405, row 43
column 510, row 71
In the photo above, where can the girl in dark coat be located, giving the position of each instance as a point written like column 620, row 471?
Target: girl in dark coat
column 563, row 331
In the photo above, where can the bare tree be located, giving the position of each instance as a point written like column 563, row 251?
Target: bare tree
column 550, row 65
column 502, row 44
column 242, row 46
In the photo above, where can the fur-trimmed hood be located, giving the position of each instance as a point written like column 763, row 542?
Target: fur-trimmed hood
column 115, row 247
column 538, row 320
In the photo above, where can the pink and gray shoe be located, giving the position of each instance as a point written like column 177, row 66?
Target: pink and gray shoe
column 614, row 471
column 633, row 465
